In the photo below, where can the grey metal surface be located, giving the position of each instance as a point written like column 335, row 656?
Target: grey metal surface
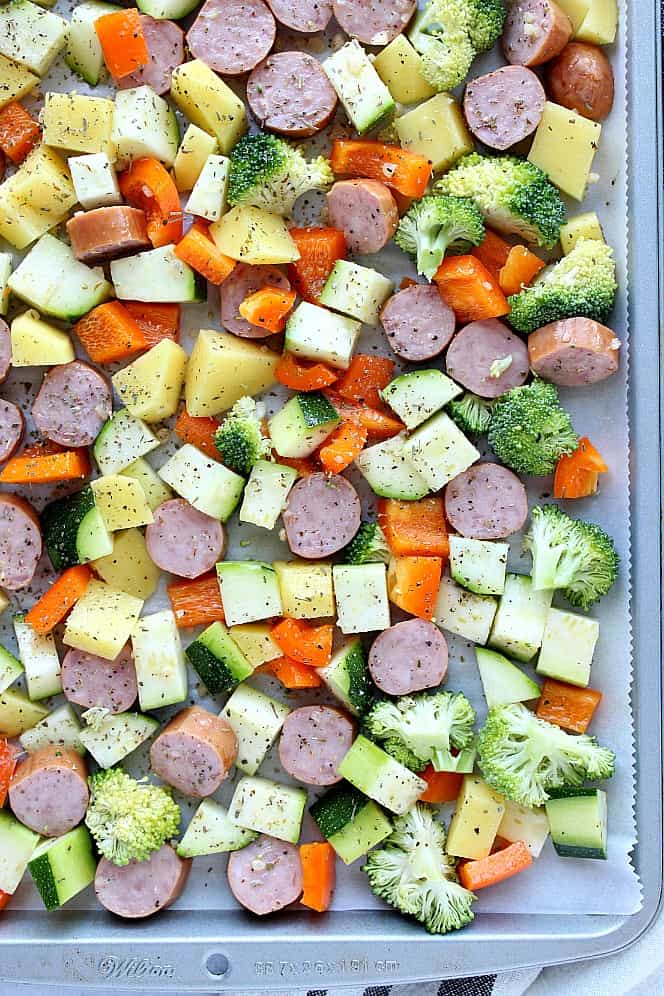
column 175, row 949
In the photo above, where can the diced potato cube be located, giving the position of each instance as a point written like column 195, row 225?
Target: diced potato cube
column 15, row 81
column 399, row 67
column 122, row 502
column 35, row 343
column 583, row 226
column 473, row 828
column 150, row 387
column 78, row 123
column 253, row 235
column 436, row 130
column 6, row 263
column 564, row 146
column 95, row 181
column 306, row 589
column 576, row 10
column 223, row 368
column 156, row 492
column 36, row 198
column 600, row 24
column 129, row 567
column 208, row 102
column 208, row 198
column 256, row 643
column 31, row 36
column 195, row 148
column 102, row 620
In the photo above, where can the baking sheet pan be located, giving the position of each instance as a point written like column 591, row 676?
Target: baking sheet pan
column 366, row 945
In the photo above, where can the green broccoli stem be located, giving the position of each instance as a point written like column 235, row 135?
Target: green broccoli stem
column 444, row 760
column 545, row 565
column 430, row 255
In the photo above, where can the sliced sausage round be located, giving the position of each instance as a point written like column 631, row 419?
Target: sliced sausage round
column 194, row 752
column 72, row 405
column 535, row 31
column 243, row 281
column 306, row 16
column 505, row 106
column 374, row 22
column 321, row 516
column 90, row 681
column 49, row 791
column 5, row 351
column 581, row 78
column 142, row 888
column 314, row 741
column 183, row 540
column 232, row 36
column 265, row 876
column 289, row 93
column 418, row 323
column 165, row 42
column 573, row 352
column 20, row 542
column 487, row 358
column 107, row 233
column 12, row 427
column 365, row 211
column 486, row 502
column 408, row 657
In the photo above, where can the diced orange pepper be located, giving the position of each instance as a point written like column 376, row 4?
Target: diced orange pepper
column 292, row 674
column 567, row 706
column 577, row 474
column 343, row 447
column 415, row 528
column 318, row 875
column 19, row 132
column 469, row 290
column 148, row 185
column 109, row 334
column 303, row 642
column 404, row 171
column 521, row 267
column 442, row 786
column 319, row 250
column 156, row 321
column 122, row 42
column 301, row 375
column 62, row 596
column 366, row 376
column 197, row 602
column 413, row 583
column 268, row 308
column 199, row 431
column 492, row 251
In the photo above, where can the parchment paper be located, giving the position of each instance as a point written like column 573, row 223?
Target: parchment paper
column 553, row 884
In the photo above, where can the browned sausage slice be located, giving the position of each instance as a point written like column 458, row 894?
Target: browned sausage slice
column 194, row 752
column 581, row 78
column 487, row 358
column 306, row 16
column 183, row 540
column 142, row 888
column 314, row 741
column 265, row 876
column 535, row 31
column 365, row 211
column 505, row 106
column 486, row 502
column 289, row 93
column 107, row 233
column 20, row 542
column 12, row 427
column 242, row 281
column 232, row 36
column 573, row 352
column 374, row 22
column 89, row 681
column 165, row 42
column 72, row 405
column 49, row 791
column 418, row 323
column 5, row 351
column 408, row 657
column 322, row 515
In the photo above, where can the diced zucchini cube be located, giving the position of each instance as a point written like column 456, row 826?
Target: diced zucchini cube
column 212, row 831
column 418, row 395
column 122, row 441
column 578, row 822
column 436, row 130
column 40, row 660
column 17, row 845
column 161, row 667
column 350, row 822
column 356, row 291
column 61, row 867
column 389, row 472
column 503, row 682
column 266, row 492
column 315, row 333
column 205, row 483
column 371, row 770
column 208, row 198
column 439, row 451
column 144, row 125
column 306, row 589
column 60, row 728
column 52, row 280
column 10, row 668
column 249, row 591
column 257, row 720
column 158, row 276
column 519, row 623
column 568, row 645
column 156, row 492
column 360, row 591
column 268, row 807
column 464, row 613
column 529, row 825
column 478, row 565
column 84, row 53
column 218, row 660
column 474, row 825
column 564, row 147
column 365, row 98
column 347, row 677
column 113, row 738
column 121, row 502
column 102, row 620
column 303, row 423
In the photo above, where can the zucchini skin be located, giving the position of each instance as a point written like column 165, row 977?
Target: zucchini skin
column 337, row 808
column 60, row 523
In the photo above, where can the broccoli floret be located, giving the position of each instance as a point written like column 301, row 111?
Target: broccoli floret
column 514, row 196
column 583, row 283
column 129, row 819
column 530, row 430
column 436, row 225
column 524, row 757
column 413, row 872
column 425, row 725
column 368, row 546
column 267, row 172
column 471, row 413
column 448, row 34
column 240, row 439
column 567, row 553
